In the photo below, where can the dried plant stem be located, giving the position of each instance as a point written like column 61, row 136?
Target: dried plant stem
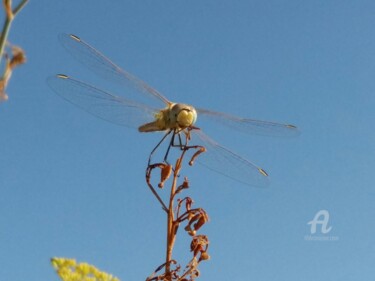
column 171, row 231
column 179, row 210
column 10, row 15
column 17, row 56
column 171, row 238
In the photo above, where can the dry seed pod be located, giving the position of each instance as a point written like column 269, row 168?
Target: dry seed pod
column 204, row 256
column 166, row 171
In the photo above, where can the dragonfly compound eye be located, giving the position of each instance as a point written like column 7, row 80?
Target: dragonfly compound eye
column 186, row 118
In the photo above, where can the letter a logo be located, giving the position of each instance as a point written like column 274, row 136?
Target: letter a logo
column 323, row 222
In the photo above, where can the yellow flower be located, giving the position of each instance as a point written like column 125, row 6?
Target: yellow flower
column 69, row 270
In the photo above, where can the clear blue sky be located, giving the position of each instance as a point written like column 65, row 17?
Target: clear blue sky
column 73, row 185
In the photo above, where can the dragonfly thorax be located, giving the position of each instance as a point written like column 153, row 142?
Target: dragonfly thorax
column 175, row 116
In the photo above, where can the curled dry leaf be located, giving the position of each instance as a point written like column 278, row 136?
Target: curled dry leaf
column 200, row 150
column 202, row 220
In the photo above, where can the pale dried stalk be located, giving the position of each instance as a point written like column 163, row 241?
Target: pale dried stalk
column 18, row 55
column 171, row 233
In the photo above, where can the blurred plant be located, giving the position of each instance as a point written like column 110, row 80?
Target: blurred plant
column 15, row 56
column 180, row 211
column 70, row 270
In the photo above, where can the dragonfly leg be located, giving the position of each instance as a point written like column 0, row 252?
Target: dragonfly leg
column 156, row 147
column 180, row 144
column 151, row 167
column 184, row 146
column 173, row 144
column 148, row 180
column 198, row 148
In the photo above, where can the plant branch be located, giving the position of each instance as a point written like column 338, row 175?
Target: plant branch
column 16, row 56
column 180, row 211
column 10, row 15
column 19, row 7
column 171, row 233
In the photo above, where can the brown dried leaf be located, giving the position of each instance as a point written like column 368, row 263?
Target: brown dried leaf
column 18, row 58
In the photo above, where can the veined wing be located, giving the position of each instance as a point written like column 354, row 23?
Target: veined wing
column 228, row 163
column 252, row 126
column 105, row 68
column 100, row 103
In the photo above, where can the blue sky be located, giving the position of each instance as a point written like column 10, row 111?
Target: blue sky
column 73, row 185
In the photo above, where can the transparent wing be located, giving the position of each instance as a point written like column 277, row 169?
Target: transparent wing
column 101, row 103
column 228, row 163
column 101, row 65
column 252, row 126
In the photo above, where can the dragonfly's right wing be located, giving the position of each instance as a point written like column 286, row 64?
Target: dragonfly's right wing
column 228, row 163
column 251, row 126
column 138, row 90
column 100, row 103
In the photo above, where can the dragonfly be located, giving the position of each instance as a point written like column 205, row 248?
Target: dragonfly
column 143, row 107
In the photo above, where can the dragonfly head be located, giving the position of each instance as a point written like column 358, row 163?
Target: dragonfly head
column 183, row 115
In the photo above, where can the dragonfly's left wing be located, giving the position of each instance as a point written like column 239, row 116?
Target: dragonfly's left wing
column 228, row 163
column 251, row 126
column 105, row 68
column 100, row 103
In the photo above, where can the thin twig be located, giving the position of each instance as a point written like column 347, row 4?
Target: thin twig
column 7, row 23
column 18, row 55
column 19, row 7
